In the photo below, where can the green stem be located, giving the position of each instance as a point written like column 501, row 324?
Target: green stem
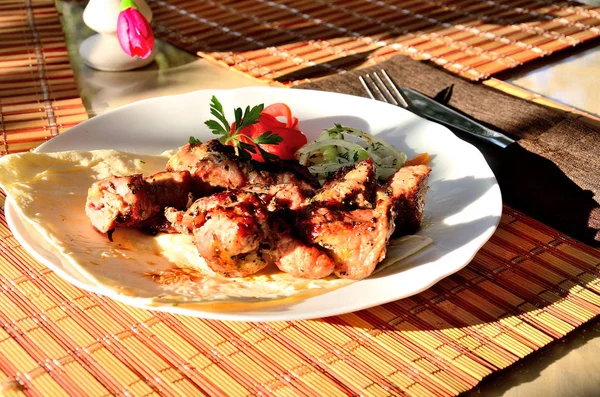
column 125, row 4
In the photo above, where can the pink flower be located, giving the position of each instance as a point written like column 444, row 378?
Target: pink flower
column 134, row 32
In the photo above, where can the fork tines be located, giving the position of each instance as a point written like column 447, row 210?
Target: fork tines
column 384, row 89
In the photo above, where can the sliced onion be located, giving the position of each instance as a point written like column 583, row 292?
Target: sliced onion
column 387, row 158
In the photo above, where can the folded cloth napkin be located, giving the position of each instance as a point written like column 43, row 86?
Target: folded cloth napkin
column 551, row 174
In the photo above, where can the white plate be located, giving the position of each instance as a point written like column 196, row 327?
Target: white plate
column 463, row 203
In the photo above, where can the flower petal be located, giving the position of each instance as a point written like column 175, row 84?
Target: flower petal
column 135, row 33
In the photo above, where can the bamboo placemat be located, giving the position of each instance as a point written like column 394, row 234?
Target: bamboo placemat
column 284, row 41
column 527, row 287
column 38, row 94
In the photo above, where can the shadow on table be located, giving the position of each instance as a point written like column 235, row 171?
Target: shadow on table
column 537, row 187
column 531, row 367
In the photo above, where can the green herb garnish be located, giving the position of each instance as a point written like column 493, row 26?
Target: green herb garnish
column 243, row 119
column 194, row 141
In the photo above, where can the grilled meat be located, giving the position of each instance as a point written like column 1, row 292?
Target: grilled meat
column 129, row 201
column 230, row 241
column 231, row 231
column 286, row 196
column 169, row 189
column 407, row 189
column 298, row 259
column 291, row 172
column 215, row 167
column 239, row 225
column 357, row 240
column 186, row 221
column 351, row 186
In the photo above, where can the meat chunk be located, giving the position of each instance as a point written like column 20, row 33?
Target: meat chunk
column 169, row 189
column 231, row 231
column 129, row 201
column 298, row 259
column 407, row 189
column 215, row 167
column 287, row 196
column 230, row 241
column 356, row 240
column 291, row 172
column 352, row 186
column 186, row 221
column 117, row 201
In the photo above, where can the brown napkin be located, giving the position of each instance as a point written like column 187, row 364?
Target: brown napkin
column 552, row 174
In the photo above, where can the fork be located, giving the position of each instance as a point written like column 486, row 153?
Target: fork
column 379, row 88
column 386, row 90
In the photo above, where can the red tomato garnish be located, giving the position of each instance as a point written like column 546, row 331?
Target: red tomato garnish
column 281, row 110
column 293, row 138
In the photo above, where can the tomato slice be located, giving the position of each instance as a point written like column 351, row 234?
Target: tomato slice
column 293, row 138
column 281, row 110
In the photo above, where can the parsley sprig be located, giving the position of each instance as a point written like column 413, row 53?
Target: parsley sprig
column 243, row 119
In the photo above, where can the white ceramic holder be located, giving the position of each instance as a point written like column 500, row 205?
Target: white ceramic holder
column 102, row 51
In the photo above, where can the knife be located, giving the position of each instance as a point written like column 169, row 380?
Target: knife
column 435, row 111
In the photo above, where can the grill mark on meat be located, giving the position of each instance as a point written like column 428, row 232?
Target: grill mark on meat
column 349, row 187
column 407, row 189
column 357, row 239
column 287, row 196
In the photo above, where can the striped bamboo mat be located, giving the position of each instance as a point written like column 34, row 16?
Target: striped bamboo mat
column 38, row 94
column 527, row 287
column 286, row 41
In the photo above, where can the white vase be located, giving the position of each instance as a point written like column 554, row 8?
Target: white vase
column 102, row 51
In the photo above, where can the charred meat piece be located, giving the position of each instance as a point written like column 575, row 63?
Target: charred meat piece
column 215, row 167
column 407, row 189
column 231, row 231
column 356, row 240
column 298, row 259
column 350, row 187
column 129, row 201
column 168, row 189
column 291, row 172
column 287, row 196
column 230, row 241
column 186, row 221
